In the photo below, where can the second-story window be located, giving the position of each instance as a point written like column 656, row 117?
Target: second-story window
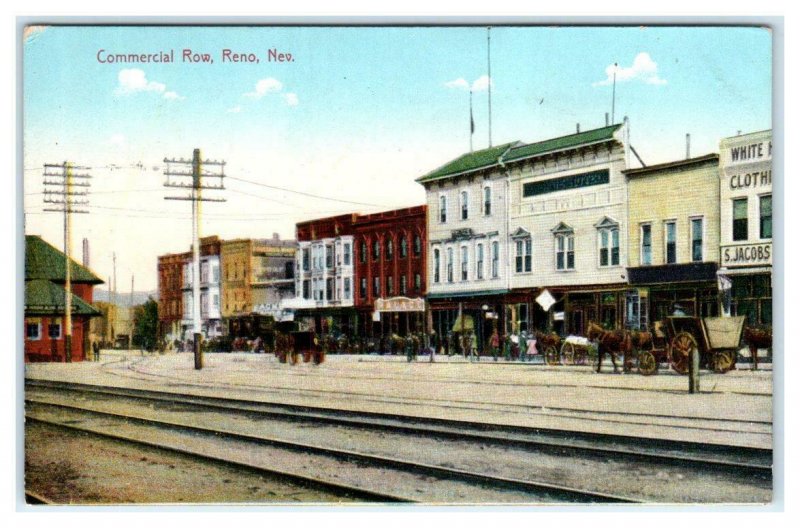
column 403, row 285
column 389, row 285
column 417, row 281
column 495, row 260
column 363, row 289
column 389, row 249
column 464, row 205
column 347, row 252
column 204, row 272
column 697, row 239
column 487, row 200
column 329, row 256
column 479, row 261
column 765, row 216
column 609, row 247
column 740, row 219
column 376, row 250
column 417, row 245
column 403, row 247
column 464, row 263
column 565, row 251
column 363, row 256
column 306, row 259
column 449, row 264
column 523, row 256
column 436, row 265
column 647, row 245
column 670, row 239
column 376, row 286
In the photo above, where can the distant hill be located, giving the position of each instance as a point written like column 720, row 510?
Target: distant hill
column 124, row 299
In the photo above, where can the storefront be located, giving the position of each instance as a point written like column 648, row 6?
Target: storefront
column 478, row 313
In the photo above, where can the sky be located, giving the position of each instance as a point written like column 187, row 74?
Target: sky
column 351, row 120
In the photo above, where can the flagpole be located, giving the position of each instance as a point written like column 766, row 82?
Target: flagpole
column 471, row 121
column 489, row 67
column 614, row 93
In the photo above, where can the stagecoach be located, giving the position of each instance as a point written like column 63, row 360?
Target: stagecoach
column 673, row 341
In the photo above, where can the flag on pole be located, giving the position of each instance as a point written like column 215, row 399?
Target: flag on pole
column 471, row 120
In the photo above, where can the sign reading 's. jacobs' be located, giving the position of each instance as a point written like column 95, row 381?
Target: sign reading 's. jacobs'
column 746, row 202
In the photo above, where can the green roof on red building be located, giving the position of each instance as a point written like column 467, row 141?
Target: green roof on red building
column 43, row 261
column 43, row 297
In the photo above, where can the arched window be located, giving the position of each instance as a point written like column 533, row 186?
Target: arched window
column 403, row 247
column 417, row 245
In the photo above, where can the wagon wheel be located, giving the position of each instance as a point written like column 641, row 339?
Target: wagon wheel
column 683, row 345
column 568, row 353
column 723, row 361
column 551, row 356
column 648, row 365
column 581, row 355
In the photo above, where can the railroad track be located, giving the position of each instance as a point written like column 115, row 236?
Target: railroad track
column 689, row 423
column 742, row 461
column 105, row 422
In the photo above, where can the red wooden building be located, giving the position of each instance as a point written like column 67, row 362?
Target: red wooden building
column 45, row 302
column 390, row 270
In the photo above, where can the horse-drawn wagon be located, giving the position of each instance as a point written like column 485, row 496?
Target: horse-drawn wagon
column 576, row 350
column 674, row 341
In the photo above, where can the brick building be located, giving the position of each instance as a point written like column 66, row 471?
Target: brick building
column 324, row 281
column 45, row 303
column 170, row 295
column 390, row 272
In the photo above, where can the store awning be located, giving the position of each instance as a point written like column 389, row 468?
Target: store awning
column 466, row 294
column 672, row 273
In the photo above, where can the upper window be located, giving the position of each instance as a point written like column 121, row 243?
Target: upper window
column 389, row 249
column 495, row 260
column 33, row 331
column 609, row 247
column 389, row 285
column 647, row 245
column 376, row 250
column 449, row 264
column 523, row 255
column 417, row 245
column 417, row 281
column 565, row 251
column 376, row 286
column 403, row 285
column 346, row 252
column 464, row 205
column 670, row 239
column 363, row 256
column 464, row 263
column 54, row 330
column 765, row 216
column 436, row 265
column 479, row 261
column 363, row 289
column 697, row 239
column 403, row 247
column 487, row 200
column 347, row 287
column 740, row 219
column 329, row 256
column 443, row 209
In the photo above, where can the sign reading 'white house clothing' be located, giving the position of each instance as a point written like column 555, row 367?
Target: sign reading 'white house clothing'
column 576, row 181
column 747, row 254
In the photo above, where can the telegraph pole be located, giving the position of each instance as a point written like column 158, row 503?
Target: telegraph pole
column 59, row 183
column 195, row 196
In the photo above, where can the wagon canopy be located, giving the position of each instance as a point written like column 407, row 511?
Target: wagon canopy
column 724, row 332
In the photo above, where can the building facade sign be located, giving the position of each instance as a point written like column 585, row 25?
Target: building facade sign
column 576, row 181
column 737, row 255
column 399, row 304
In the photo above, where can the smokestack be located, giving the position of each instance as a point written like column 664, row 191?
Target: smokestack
column 577, row 128
column 688, row 144
column 86, row 252
column 606, row 118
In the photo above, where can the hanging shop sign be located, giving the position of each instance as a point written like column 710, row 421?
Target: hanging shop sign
column 545, row 300
column 399, row 304
column 747, row 254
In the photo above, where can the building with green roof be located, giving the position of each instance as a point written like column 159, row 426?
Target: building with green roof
column 45, row 303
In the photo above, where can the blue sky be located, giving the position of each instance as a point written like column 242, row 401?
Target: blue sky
column 358, row 115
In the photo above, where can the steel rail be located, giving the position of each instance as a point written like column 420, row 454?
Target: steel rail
column 564, row 494
column 710, row 457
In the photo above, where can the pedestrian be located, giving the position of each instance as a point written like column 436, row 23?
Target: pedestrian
column 473, row 345
column 96, row 350
column 532, row 350
column 494, row 344
column 523, row 346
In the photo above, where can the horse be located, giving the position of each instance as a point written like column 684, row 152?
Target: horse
column 757, row 338
column 610, row 342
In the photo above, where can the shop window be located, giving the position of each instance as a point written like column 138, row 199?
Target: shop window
column 495, row 260
column 443, row 209
column 522, row 310
column 436, row 265
column 647, row 245
column 670, row 250
column 697, row 239
column 464, row 263
column 740, row 219
column 464, row 205
column 487, row 200
column 479, row 261
column 403, row 247
column 765, row 216
column 33, row 331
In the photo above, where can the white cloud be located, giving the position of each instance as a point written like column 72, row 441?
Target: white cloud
column 644, row 69
column 291, row 98
column 265, row 86
column 478, row 85
column 134, row 80
column 235, row 110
